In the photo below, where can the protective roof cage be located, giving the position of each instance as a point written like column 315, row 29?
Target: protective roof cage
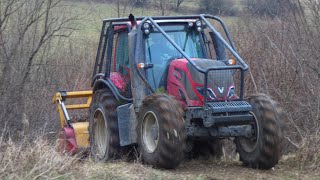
column 241, row 65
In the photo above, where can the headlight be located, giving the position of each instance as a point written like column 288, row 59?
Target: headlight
column 210, row 94
column 231, row 92
column 200, row 90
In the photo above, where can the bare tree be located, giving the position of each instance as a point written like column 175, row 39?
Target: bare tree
column 163, row 5
column 271, row 8
column 123, row 5
column 178, row 4
column 216, row 7
column 27, row 27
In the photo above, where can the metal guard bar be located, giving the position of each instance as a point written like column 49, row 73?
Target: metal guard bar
column 233, row 52
column 231, row 48
column 178, row 17
column 244, row 65
column 201, row 16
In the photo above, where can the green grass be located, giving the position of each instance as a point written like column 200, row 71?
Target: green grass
column 92, row 14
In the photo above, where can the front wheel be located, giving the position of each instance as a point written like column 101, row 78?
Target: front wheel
column 263, row 149
column 103, row 126
column 161, row 133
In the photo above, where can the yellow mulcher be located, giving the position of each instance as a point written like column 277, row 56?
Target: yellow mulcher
column 74, row 135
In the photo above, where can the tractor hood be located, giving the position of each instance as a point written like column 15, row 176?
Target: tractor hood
column 220, row 82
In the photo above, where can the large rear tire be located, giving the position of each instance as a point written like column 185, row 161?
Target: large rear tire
column 263, row 150
column 161, row 132
column 103, row 126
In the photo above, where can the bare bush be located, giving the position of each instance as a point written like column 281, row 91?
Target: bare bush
column 37, row 55
column 272, row 8
column 283, row 55
column 309, row 154
column 218, row 7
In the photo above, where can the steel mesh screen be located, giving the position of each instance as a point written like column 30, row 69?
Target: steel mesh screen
column 223, row 84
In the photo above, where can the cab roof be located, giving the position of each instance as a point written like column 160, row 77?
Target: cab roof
column 159, row 18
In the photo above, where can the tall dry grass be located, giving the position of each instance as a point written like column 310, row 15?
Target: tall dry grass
column 35, row 159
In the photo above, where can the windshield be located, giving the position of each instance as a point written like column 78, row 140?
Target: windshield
column 160, row 52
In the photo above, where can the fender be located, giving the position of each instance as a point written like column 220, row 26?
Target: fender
column 107, row 83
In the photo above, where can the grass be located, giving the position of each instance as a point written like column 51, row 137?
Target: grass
column 33, row 160
column 39, row 160
column 92, row 14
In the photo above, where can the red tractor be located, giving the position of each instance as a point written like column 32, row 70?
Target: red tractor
column 167, row 86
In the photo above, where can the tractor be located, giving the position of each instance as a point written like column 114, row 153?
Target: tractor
column 168, row 86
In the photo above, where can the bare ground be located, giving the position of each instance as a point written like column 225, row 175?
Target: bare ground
column 195, row 169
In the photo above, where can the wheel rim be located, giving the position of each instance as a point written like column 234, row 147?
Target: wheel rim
column 100, row 134
column 250, row 144
column 150, row 132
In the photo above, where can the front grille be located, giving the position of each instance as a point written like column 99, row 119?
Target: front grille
column 232, row 106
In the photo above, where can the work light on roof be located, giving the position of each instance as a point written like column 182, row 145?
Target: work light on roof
column 199, row 25
column 146, row 25
column 146, row 28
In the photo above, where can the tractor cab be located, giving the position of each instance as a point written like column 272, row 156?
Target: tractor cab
column 174, row 56
column 159, row 52
column 168, row 55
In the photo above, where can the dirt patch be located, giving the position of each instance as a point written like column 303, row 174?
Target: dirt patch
column 194, row 169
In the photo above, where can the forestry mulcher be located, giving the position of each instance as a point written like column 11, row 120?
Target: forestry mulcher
column 168, row 86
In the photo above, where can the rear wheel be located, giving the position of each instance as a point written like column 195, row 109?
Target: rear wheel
column 103, row 126
column 263, row 150
column 161, row 134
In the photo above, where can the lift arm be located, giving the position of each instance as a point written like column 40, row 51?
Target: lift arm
column 60, row 97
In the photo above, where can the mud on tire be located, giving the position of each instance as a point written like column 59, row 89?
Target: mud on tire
column 264, row 150
column 103, row 126
column 161, row 132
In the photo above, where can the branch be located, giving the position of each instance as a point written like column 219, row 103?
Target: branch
column 49, row 34
column 293, row 143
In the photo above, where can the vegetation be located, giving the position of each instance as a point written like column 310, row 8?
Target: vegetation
column 218, row 7
column 46, row 45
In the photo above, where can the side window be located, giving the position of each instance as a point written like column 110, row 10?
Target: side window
column 119, row 71
column 122, row 52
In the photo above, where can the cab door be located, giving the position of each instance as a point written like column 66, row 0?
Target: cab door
column 119, row 71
